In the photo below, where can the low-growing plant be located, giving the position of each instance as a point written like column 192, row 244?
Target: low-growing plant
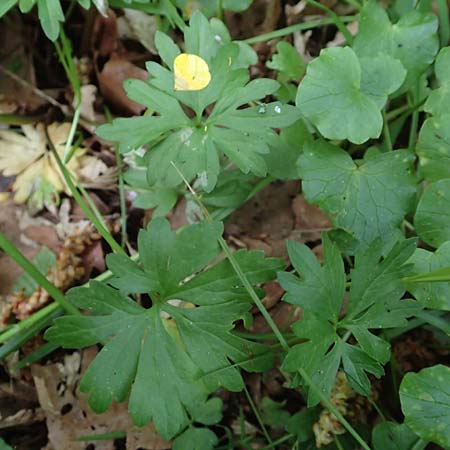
column 369, row 140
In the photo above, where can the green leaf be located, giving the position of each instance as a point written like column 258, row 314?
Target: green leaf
column 368, row 201
column 4, row 445
column 347, row 105
column 393, row 436
column 26, row 5
column 433, row 148
column 374, row 302
column 194, row 439
column 425, row 401
column 321, row 288
column 273, row 413
column 196, row 146
column 432, row 219
column 50, row 16
column 287, row 61
column 413, row 40
column 285, row 150
column 438, row 100
column 174, row 352
column 431, row 295
column 6, row 6
column 43, row 261
column 301, row 424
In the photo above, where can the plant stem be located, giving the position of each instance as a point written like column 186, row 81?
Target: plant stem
column 37, row 276
column 122, row 197
column 27, row 323
column 258, row 417
column 387, row 133
column 444, row 22
column 415, row 119
column 104, row 232
column 19, row 327
column 436, row 321
column 229, row 254
column 279, row 441
column 336, row 20
column 327, row 402
column 297, row 27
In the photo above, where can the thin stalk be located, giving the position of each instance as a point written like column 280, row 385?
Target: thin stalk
column 244, row 280
column 89, row 201
column 172, row 14
column 15, row 119
column 73, row 128
column 102, row 437
column 104, row 232
column 326, row 401
column 414, row 120
column 387, row 133
column 20, row 327
column 338, row 443
column 29, row 322
column 297, row 27
column 420, row 445
column 258, row 417
column 391, row 115
column 64, row 51
column 37, row 276
column 444, row 22
column 436, row 321
column 336, row 20
column 122, row 197
column 279, row 441
column 37, row 355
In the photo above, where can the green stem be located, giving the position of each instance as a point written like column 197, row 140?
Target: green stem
column 29, row 322
column 87, row 211
column 420, row 445
column 297, row 27
column 19, row 327
column 122, row 197
column 436, row 321
column 73, row 128
column 336, row 19
column 387, row 133
column 15, row 119
column 326, row 401
column 244, row 280
column 279, row 441
column 444, row 22
column 415, row 120
column 37, row 276
column 258, row 417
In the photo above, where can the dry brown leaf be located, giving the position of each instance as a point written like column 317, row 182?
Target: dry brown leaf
column 29, row 157
column 111, row 79
column 68, row 415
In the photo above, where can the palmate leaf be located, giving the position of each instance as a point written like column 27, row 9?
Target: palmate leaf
column 413, row 40
column 374, row 302
column 368, row 201
column 425, row 400
column 197, row 145
column 170, row 357
column 432, row 295
column 347, row 105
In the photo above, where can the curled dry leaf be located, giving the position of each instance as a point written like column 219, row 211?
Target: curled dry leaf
column 29, row 157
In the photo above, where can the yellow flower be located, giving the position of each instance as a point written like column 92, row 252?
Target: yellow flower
column 191, row 73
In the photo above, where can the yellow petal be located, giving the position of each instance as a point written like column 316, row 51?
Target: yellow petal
column 191, row 73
